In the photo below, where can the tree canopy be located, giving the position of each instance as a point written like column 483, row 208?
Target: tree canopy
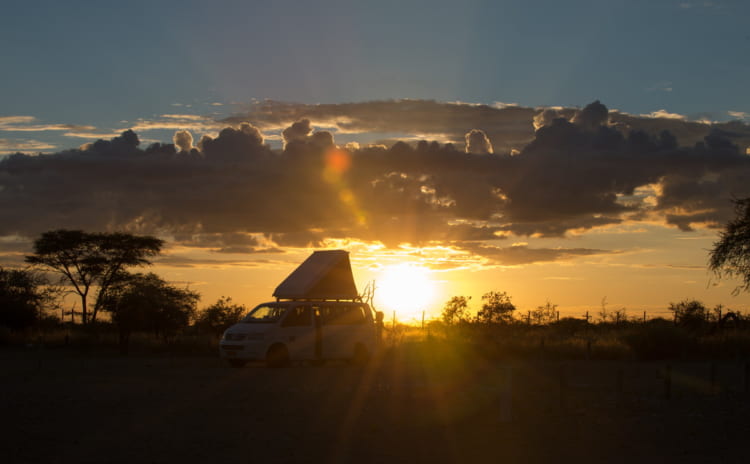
column 88, row 261
column 220, row 316
column 22, row 297
column 730, row 255
column 149, row 303
column 496, row 308
column 456, row 310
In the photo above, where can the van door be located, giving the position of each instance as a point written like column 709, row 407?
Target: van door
column 297, row 332
column 342, row 327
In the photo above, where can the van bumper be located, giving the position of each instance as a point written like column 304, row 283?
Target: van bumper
column 248, row 351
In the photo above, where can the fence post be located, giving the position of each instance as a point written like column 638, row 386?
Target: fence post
column 668, row 382
column 618, row 388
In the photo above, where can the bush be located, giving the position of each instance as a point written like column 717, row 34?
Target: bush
column 220, row 316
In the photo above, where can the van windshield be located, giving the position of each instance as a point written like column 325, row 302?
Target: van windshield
column 265, row 314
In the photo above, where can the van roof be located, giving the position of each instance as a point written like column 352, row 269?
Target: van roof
column 324, row 275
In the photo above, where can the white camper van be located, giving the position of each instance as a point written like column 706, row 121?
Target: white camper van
column 317, row 316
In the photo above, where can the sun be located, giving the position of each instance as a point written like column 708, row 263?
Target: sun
column 406, row 289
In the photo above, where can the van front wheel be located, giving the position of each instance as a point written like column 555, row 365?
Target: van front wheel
column 277, row 356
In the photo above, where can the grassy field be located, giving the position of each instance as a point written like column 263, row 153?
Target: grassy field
column 414, row 404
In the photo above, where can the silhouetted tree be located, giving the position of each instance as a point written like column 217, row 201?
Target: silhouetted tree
column 220, row 316
column 146, row 302
column 91, row 260
column 730, row 255
column 456, row 310
column 497, row 308
column 546, row 314
column 22, row 298
column 689, row 313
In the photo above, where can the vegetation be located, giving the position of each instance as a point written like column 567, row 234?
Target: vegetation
column 220, row 316
column 23, row 295
column 496, row 308
column 160, row 315
column 146, row 302
column 456, row 310
column 88, row 261
column 730, row 255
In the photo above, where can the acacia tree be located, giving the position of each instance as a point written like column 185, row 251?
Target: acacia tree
column 92, row 261
column 730, row 256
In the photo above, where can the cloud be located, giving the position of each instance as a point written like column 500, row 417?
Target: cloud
column 26, row 124
column 183, row 140
column 12, row 120
column 664, row 114
column 521, row 254
column 297, row 132
column 190, row 122
column 508, row 127
column 580, row 170
column 8, row 146
column 477, row 142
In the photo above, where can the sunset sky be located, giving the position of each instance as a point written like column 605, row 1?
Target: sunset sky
column 572, row 152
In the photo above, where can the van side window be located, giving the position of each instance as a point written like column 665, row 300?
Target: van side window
column 343, row 315
column 301, row 316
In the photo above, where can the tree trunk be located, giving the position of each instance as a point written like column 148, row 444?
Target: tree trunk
column 84, row 310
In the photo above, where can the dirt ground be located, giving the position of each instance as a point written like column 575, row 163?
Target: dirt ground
column 61, row 406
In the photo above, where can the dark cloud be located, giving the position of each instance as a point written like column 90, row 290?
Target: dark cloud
column 507, row 127
column 477, row 142
column 579, row 170
column 297, row 132
column 522, row 254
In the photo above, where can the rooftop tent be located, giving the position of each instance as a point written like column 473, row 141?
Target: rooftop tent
column 323, row 275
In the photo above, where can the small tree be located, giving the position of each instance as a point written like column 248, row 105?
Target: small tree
column 87, row 261
column 147, row 302
column 730, row 256
column 543, row 315
column 220, row 316
column 689, row 313
column 456, row 310
column 496, row 308
column 23, row 295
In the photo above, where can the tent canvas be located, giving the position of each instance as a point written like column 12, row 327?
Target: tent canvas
column 323, row 275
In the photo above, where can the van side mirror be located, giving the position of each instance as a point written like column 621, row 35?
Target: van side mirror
column 379, row 317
